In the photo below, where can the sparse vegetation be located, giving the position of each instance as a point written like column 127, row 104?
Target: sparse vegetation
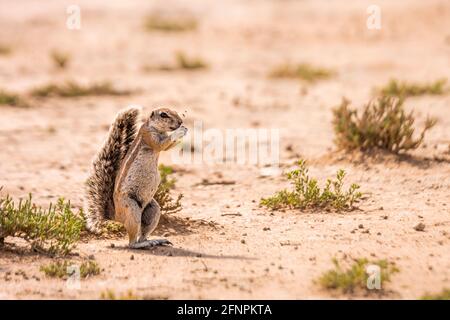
column 182, row 62
column 307, row 194
column 303, row 71
column 185, row 62
column 60, row 269
column 444, row 295
column 167, row 203
column 60, row 59
column 406, row 89
column 54, row 231
column 129, row 295
column 72, row 89
column 167, row 24
column 12, row 99
column 4, row 50
column 355, row 276
column 383, row 124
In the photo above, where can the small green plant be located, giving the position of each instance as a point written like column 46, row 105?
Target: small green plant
column 182, row 62
column 383, row 124
column 60, row 59
column 128, row 295
column 55, row 230
column 4, row 50
column 12, row 99
column 167, row 203
column 60, row 269
column 406, row 89
column 72, row 89
column 167, row 24
column 185, row 62
column 444, row 295
column 355, row 276
column 301, row 71
column 307, row 194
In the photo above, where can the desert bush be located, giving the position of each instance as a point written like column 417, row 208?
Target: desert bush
column 72, row 89
column 163, row 196
column 383, row 124
column 444, row 295
column 128, row 295
column 55, row 230
column 4, row 49
column 185, row 62
column 406, row 89
column 60, row 59
column 307, row 194
column 354, row 277
column 182, row 62
column 12, row 99
column 59, row 269
column 156, row 22
column 301, row 71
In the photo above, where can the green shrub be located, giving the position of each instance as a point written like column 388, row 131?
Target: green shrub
column 166, row 24
column 5, row 50
column 301, row 71
column 55, row 230
column 355, row 276
column 383, row 124
column 12, row 99
column 444, row 295
column 60, row 59
column 72, row 89
column 59, row 269
column 167, row 203
column 406, row 89
column 185, row 62
column 307, row 194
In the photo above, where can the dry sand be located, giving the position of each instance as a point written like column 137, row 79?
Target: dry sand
column 46, row 149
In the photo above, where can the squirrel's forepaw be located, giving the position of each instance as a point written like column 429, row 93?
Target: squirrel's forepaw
column 179, row 133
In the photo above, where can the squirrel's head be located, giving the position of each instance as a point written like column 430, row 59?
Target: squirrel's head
column 165, row 120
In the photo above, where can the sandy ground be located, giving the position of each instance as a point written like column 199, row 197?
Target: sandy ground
column 223, row 250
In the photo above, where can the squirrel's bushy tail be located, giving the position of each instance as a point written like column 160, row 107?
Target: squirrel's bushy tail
column 100, row 184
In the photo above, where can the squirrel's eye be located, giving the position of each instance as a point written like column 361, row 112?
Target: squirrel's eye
column 164, row 115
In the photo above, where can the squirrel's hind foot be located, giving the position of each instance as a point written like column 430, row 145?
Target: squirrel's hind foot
column 149, row 244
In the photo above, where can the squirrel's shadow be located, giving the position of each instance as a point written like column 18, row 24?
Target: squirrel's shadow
column 170, row 251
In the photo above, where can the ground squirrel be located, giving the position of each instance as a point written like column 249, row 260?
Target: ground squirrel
column 125, row 174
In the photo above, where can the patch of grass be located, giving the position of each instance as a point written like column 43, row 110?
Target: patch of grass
column 355, row 276
column 60, row 270
column 60, row 59
column 383, row 124
column 163, row 196
column 156, row 22
column 303, row 71
column 307, row 194
column 185, row 62
column 129, row 295
column 12, row 99
column 72, row 89
column 182, row 62
column 54, row 231
column 5, row 50
column 444, row 295
column 403, row 89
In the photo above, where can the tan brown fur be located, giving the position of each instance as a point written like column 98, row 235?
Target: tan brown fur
column 137, row 178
